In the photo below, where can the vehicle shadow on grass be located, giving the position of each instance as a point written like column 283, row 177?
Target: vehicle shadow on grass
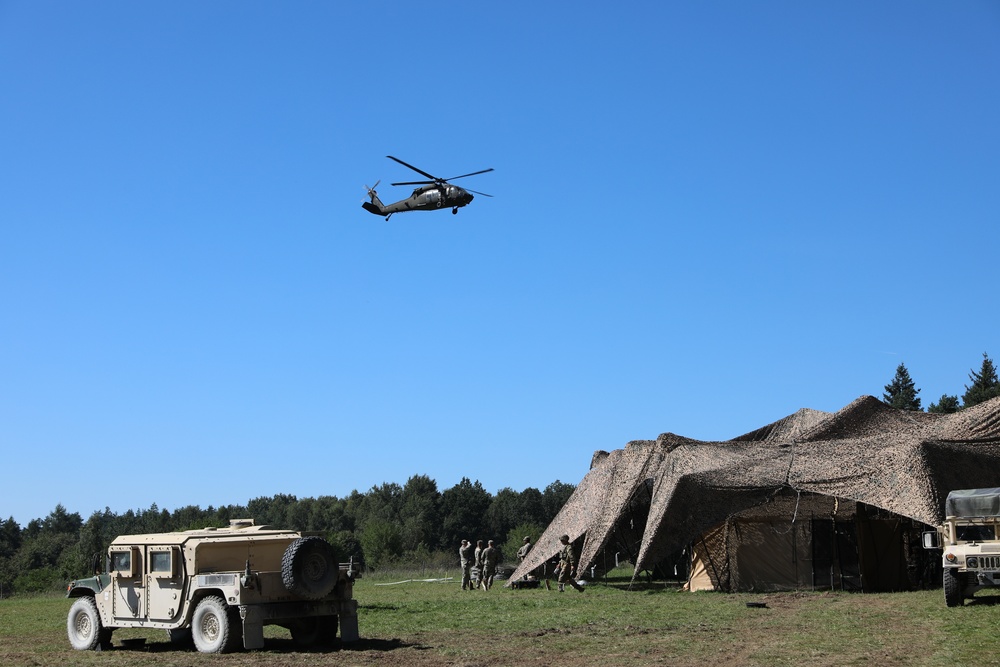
column 363, row 644
column 273, row 645
column 985, row 601
column 379, row 607
column 640, row 584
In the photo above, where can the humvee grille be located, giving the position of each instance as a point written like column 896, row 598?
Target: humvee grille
column 989, row 562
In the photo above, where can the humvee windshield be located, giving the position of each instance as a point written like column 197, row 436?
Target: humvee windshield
column 974, row 533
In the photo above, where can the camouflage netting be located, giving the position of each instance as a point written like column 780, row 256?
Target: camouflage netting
column 900, row 461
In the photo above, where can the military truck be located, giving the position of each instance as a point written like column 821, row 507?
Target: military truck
column 217, row 587
column 970, row 538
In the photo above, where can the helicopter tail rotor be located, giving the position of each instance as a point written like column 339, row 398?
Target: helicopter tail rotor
column 375, row 204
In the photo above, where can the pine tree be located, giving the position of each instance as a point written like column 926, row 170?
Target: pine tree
column 985, row 384
column 901, row 393
column 946, row 405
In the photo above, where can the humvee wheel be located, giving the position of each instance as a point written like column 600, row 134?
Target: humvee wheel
column 954, row 587
column 214, row 626
column 309, row 568
column 83, row 625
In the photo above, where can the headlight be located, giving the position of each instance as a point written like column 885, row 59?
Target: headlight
column 950, row 557
column 971, row 561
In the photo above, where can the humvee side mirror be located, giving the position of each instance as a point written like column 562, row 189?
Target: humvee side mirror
column 931, row 539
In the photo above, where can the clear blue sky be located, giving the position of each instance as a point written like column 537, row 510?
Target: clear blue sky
column 706, row 216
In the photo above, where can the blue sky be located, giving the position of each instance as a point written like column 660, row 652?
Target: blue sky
column 705, row 217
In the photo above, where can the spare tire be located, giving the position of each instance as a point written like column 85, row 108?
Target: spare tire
column 309, row 568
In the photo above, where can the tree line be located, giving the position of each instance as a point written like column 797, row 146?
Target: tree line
column 902, row 392
column 389, row 525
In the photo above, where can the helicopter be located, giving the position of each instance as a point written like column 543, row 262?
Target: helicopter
column 431, row 195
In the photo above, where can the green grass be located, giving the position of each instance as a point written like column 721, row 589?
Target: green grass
column 424, row 623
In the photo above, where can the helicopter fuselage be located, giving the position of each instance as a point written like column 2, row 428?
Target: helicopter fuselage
column 425, row 198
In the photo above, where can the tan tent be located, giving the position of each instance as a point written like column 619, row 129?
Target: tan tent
column 811, row 541
column 874, row 465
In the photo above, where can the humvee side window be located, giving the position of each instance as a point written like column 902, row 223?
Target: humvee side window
column 121, row 561
column 164, row 562
column 159, row 562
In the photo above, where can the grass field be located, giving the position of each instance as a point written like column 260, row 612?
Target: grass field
column 424, row 623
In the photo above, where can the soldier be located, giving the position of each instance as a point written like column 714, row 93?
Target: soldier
column 490, row 558
column 567, row 566
column 522, row 553
column 479, row 562
column 465, row 557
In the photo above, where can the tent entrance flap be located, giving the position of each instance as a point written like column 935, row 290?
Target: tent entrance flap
column 835, row 555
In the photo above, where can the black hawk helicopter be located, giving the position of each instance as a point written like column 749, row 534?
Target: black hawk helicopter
column 431, row 195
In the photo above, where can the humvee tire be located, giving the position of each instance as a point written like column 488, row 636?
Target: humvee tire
column 83, row 625
column 214, row 626
column 954, row 587
column 309, row 568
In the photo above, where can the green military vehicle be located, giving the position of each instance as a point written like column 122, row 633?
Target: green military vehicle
column 970, row 538
column 217, row 587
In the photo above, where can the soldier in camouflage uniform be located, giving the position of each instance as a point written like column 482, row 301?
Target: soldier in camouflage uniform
column 478, row 562
column 465, row 557
column 522, row 553
column 490, row 559
column 567, row 566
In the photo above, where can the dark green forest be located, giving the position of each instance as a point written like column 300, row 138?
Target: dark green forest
column 414, row 525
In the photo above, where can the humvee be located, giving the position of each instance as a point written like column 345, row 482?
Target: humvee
column 217, row 587
column 970, row 537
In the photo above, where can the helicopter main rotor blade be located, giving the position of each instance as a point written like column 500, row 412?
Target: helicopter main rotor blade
column 415, row 183
column 478, row 192
column 434, row 179
column 464, row 175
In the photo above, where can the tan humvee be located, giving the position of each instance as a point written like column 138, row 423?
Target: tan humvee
column 217, row 587
column 970, row 538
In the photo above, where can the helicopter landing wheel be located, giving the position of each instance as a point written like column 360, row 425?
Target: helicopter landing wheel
column 454, row 211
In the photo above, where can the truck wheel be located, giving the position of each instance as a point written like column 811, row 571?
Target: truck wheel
column 309, row 568
column 214, row 626
column 954, row 587
column 315, row 630
column 83, row 625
